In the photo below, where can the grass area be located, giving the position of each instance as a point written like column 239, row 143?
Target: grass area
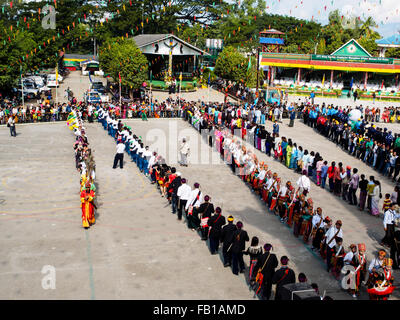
column 186, row 85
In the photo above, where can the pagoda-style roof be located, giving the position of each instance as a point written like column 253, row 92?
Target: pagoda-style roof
column 272, row 31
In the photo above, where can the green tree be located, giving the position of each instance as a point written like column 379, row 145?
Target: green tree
column 231, row 65
column 123, row 57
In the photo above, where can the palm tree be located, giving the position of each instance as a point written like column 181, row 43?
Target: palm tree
column 366, row 28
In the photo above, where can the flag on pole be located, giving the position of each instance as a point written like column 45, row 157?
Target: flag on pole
column 351, row 83
column 57, row 74
column 119, row 75
column 323, row 79
column 180, row 77
column 383, row 81
column 209, row 78
column 249, row 64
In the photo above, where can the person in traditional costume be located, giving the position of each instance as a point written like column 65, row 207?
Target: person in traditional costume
column 306, row 225
column 264, row 271
column 332, row 235
column 338, row 257
column 360, row 264
column 283, row 276
column 298, row 211
column 289, row 149
column 317, row 232
column 284, row 195
column 87, row 205
column 374, row 266
column 395, row 250
column 383, row 284
column 254, row 252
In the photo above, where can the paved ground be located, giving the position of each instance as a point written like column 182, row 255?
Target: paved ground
column 136, row 250
column 229, row 192
column 78, row 83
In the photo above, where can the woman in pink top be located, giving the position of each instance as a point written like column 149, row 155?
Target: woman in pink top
column 318, row 166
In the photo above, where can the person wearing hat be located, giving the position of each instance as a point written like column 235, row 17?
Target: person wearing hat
column 226, row 238
column 204, row 213
column 330, row 240
column 192, row 205
column 215, row 224
column 283, row 276
column 360, row 264
column 240, row 237
column 338, row 255
column 317, row 232
column 265, row 266
column 87, row 205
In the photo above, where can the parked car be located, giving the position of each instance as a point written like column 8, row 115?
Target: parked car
column 92, row 97
column 29, row 89
column 51, row 81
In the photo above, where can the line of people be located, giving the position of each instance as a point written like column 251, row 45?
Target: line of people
column 197, row 211
column 86, row 167
column 284, row 200
column 199, row 123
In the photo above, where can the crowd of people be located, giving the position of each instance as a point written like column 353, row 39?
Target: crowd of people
column 196, row 209
column 288, row 202
column 377, row 147
column 230, row 125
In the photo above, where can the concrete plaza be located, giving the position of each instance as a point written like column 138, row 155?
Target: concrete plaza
column 137, row 249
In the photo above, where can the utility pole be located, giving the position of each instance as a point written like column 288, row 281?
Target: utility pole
column 142, row 17
column 22, row 87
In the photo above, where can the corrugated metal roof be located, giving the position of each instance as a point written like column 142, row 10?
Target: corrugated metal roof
column 392, row 40
column 145, row 39
column 79, row 56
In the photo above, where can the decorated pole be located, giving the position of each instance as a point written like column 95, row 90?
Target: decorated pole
column 22, row 86
column 120, row 97
column 56, row 80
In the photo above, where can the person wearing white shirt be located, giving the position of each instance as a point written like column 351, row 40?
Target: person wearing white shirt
column 348, row 258
column 194, row 202
column 304, row 184
column 184, row 193
column 184, row 152
column 318, row 225
column 11, row 124
column 330, row 236
column 196, row 197
column 152, row 160
column 389, row 218
column 146, row 158
column 133, row 147
column 139, row 156
column 119, row 156
column 377, row 262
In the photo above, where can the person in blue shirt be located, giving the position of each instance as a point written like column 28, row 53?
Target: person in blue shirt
column 275, row 129
column 324, row 173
